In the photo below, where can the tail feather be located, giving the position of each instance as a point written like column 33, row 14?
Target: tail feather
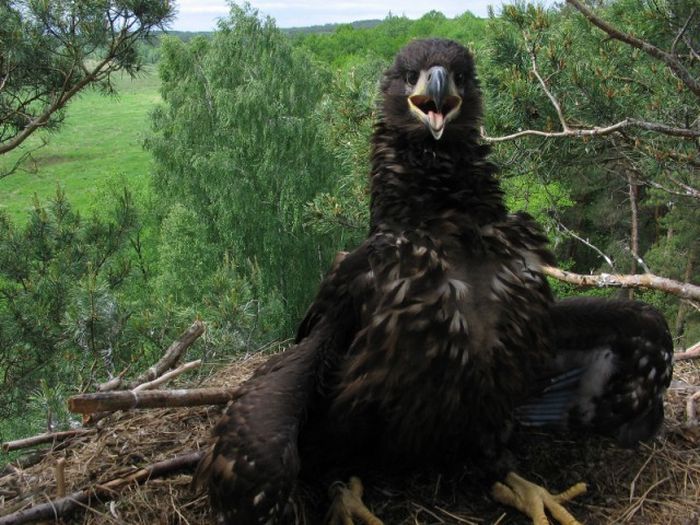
column 551, row 406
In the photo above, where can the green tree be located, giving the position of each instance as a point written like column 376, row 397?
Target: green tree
column 60, row 317
column 50, row 51
column 598, row 110
column 348, row 113
column 348, row 44
column 185, row 258
column 237, row 142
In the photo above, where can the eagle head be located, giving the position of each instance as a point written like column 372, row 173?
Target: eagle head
column 432, row 90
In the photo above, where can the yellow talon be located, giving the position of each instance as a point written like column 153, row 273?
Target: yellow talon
column 347, row 503
column 531, row 499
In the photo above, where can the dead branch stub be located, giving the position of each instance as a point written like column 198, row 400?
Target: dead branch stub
column 170, row 358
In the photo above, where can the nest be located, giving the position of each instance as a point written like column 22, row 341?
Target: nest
column 658, row 483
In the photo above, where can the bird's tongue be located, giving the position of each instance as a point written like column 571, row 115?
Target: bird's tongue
column 436, row 120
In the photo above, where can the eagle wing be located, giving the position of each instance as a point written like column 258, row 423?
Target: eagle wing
column 612, row 365
column 253, row 464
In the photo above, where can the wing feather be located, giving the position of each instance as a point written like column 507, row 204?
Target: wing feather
column 252, row 466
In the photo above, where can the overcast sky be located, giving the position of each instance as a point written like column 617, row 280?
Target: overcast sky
column 201, row 15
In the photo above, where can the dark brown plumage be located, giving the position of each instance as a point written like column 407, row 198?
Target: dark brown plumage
column 424, row 342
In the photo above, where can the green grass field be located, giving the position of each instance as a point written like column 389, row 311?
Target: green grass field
column 99, row 142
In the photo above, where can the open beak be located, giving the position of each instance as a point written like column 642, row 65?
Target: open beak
column 434, row 100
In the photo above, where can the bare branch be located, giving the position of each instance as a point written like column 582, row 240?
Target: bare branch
column 693, row 53
column 51, row 437
column 597, row 131
column 113, row 383
column 689, row 190
column 592, row 246
column 172, row 354
column 58, row 103
column 644, row 280
column 170, row 358
column 633, row 192
column 545, row 88
column 682, row 31
column 690, row 407
column 669, row 59
column 658, row 186
column 23, row 157
column 691, row 353
column 639, row 260
column 168, row 376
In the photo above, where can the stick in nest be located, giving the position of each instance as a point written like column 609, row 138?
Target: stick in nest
column 59, row 507
column 170, row 358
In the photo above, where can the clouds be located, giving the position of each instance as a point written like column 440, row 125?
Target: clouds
column 198, row 15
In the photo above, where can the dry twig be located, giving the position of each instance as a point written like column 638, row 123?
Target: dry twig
column 168, row 376
column 169, row 360
column 56, row 508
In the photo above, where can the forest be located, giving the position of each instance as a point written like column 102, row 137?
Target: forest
column 251, row 173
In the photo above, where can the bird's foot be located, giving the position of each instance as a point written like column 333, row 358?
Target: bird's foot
column 531, row 499
column 347, row 504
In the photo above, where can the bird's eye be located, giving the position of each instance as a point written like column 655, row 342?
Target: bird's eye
column 412, row 77
column 460, row 78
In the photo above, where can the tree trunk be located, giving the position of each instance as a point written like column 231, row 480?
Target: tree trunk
column 634, row 226
column 679, row 325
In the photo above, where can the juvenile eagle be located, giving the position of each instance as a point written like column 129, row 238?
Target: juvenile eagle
column 430, row 339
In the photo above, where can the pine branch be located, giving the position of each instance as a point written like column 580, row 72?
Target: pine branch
column 595, row 131
column 60, row 101
column 598, row 131
column 671, row 60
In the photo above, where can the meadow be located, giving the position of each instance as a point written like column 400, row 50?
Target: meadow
column 99, row 143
